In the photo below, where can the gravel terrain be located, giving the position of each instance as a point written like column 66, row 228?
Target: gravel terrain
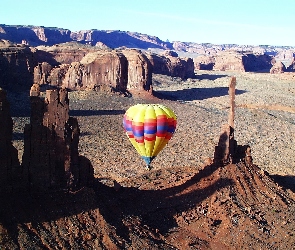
column 264, row 119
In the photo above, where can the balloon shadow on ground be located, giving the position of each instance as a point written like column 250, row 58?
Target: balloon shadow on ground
column 194, row 93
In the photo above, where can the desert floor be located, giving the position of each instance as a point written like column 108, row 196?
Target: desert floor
column 264, row 119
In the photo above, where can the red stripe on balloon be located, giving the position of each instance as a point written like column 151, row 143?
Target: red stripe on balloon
column 161, row 134
column 149, row 138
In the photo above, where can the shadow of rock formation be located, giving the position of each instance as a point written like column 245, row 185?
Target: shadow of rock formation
column 193, row 93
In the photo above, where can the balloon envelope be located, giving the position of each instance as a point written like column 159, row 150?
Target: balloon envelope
column 149, row 128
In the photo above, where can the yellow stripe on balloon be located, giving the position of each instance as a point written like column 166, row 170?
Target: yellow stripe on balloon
column 169, row 112
column 159, row 140
column 150, row 114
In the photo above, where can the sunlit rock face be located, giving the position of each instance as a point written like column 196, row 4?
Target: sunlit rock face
column 139, row 70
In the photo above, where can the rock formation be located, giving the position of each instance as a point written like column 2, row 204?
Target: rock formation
column 100, row 70
column 291, row 67
column 170, row 53
column 34, row 35
column 227, row 204
column 190, row 68
column 172, row 65
column 41, row 73
column 285, row 55
column 231, row 61
column 139, row 70
column 39, row 35
column 204, row 62
column 51, row 160
column 117, row 39
column 278, row 68
column 227, row 146
column 16, row 65
column 242, row 62
column 57, row 75
column 257, row 62
column 64, row 53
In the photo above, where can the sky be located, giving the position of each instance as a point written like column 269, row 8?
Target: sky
column 243, row 22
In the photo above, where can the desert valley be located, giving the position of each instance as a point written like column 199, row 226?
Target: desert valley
column 70, row 178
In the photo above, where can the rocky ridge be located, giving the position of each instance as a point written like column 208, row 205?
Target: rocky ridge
column 39, row 35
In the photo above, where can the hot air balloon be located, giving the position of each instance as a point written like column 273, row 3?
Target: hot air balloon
column 149, row 127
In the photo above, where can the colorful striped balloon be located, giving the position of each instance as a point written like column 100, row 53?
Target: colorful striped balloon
column 149, row 127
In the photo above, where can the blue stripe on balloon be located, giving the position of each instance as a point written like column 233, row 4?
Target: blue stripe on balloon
column 150, row 130
column 171, row 130
column 138, row 132
column 162, row 128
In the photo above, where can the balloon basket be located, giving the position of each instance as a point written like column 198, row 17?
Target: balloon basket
column 148, row 167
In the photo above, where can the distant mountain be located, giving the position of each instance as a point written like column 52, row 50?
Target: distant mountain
column 39, row 35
